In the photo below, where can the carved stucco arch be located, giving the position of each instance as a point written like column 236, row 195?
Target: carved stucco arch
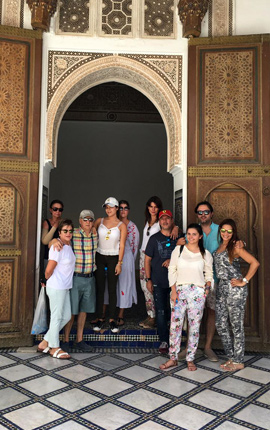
column 123, row 70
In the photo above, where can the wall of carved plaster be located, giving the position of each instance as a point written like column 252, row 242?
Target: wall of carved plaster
column 130, row 19
column 158, row 77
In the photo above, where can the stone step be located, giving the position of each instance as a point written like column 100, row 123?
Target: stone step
column 126, row 338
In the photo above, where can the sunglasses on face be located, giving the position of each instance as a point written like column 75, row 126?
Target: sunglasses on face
column 207, row 212
column 64, row 230
column 57, row 209
column 124, row 208
column 88, row 219
column 223, row 230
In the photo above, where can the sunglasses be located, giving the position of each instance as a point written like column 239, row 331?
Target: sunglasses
column 126, row 208
column 148, row 231
column 223, row 230
column 88, row 219
column 168, row 244
column 57, row 209
column 203, row 212
column 64, row 230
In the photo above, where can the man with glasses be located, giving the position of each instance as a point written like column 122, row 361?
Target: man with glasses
column 204, row 211
column 83, row 291
column 157, row 259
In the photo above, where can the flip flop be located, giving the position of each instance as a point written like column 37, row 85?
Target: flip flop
column 61, row 356
column 168, row 364
column 44, row 350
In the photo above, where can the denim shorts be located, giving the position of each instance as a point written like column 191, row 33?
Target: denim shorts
column 83, row 295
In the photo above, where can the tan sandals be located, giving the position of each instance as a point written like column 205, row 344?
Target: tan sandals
column 168, row 364
column 230, row 366
column 191, row 366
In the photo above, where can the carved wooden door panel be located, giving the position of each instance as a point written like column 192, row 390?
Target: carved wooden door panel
column 20, row 79
column 228, row 151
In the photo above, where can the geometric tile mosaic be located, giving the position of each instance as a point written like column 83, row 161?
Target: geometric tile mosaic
column 125, row 389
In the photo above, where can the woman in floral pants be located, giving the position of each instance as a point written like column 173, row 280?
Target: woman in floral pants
column 190, row 276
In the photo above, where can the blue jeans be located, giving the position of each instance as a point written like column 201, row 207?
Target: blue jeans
column 161, row 298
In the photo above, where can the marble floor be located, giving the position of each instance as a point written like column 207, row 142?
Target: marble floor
column 124, row 389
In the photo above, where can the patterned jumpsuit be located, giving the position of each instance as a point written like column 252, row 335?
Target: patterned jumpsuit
column 230, row 305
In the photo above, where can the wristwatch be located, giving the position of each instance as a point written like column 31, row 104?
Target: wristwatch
column 147, row 279
column 245, row 280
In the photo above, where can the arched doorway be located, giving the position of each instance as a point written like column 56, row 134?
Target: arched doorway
column 136, row 75
column 111, row 141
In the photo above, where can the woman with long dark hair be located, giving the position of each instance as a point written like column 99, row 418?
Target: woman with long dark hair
column 232, row 291
column 190, row 276
column 152, row 208
column 50, row 227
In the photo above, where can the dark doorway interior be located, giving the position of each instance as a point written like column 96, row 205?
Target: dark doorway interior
column 112, row 142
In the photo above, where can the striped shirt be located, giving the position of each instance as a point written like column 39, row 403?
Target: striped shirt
column 84, row 248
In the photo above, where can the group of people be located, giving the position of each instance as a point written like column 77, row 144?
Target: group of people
column 183, row 270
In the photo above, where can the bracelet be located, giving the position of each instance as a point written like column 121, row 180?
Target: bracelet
column 120, row 262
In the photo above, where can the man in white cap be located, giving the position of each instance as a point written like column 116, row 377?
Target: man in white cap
column 83, row 291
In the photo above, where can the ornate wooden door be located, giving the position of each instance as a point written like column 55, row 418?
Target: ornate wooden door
column 228, row 151
column 20, row 80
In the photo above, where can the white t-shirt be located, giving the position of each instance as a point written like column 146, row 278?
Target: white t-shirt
column 155, row 228
column 190, row 267
column 62, row 276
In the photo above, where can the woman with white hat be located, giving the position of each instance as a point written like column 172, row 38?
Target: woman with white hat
column 112, row 234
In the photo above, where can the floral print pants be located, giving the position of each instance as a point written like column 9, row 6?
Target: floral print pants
column 191, row 298
column 149, row 298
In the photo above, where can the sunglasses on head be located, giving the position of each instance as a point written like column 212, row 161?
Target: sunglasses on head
column 206, row 212
column 223, row 230
column 64, row 230
column 126, row 208
column 57, row 209
column 88, row 219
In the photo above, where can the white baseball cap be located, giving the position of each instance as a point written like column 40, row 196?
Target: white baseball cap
column 111, row 201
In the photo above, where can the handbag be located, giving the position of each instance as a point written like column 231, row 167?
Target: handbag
column 40, row 324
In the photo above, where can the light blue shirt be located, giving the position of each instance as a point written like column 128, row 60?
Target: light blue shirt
column 211, row 241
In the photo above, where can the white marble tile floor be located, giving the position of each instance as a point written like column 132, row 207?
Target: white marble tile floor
column 123, row 389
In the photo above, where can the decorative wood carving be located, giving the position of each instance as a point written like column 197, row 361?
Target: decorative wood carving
column 229, row 96
column 159, row 18
column 42, row 11
column 14, row 86
column 6, row 274
column 191, row 14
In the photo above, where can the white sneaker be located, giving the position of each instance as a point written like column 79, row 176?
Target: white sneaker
column 114, row 328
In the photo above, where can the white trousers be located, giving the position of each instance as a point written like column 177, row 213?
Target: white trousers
column 60, row 314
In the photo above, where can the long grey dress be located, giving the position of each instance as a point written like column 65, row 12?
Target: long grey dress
column 126, row 285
